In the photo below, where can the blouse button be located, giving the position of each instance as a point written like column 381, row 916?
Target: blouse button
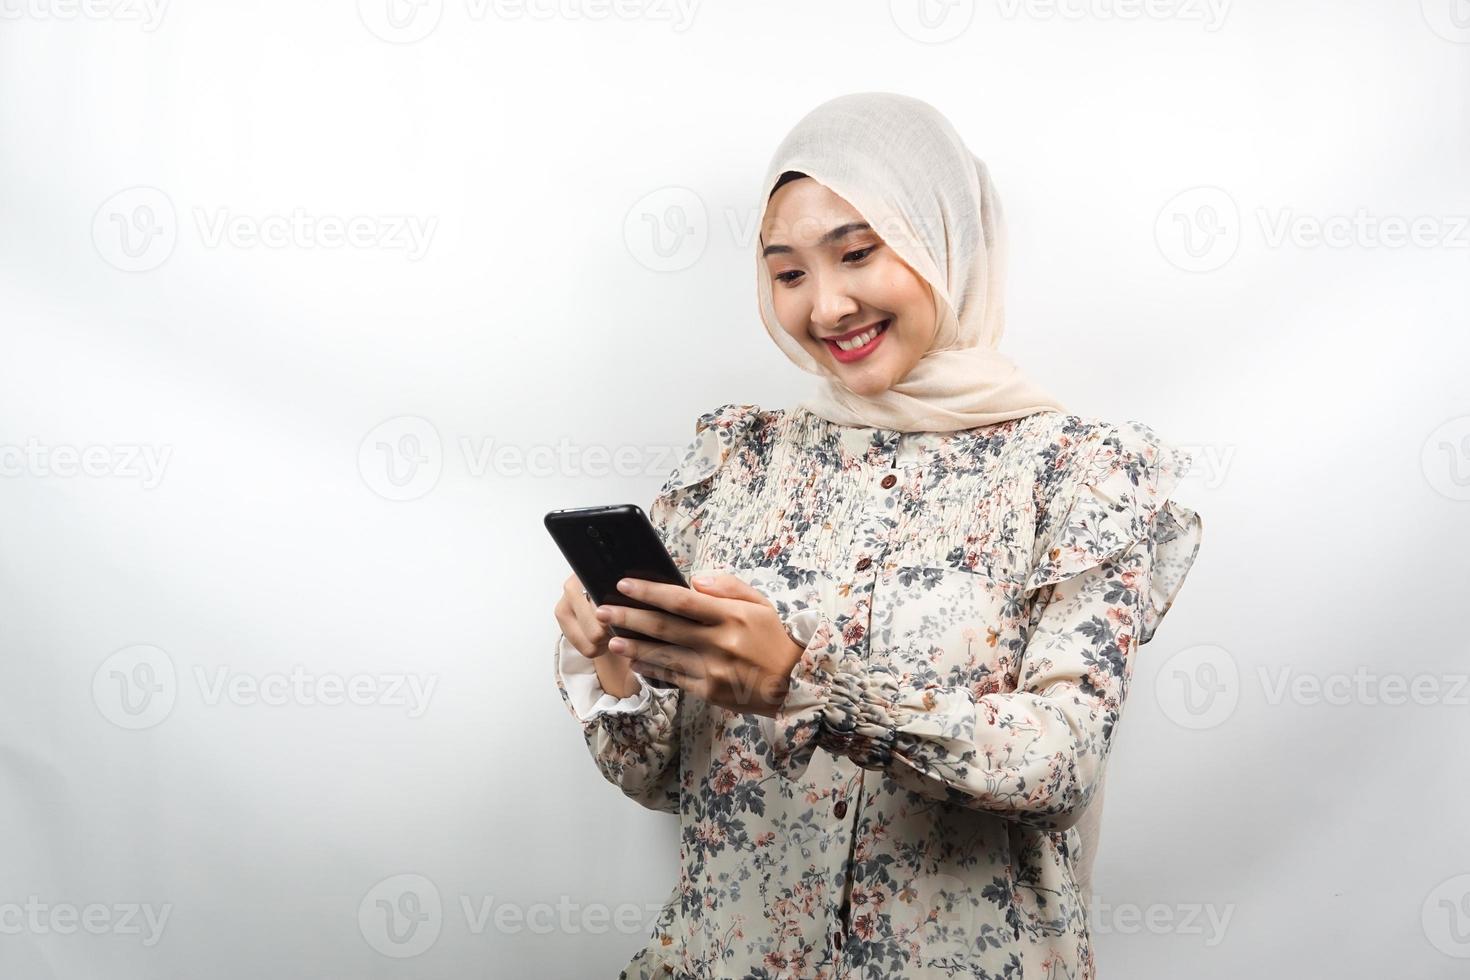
column 837, row 939
column 863, row 564
column 889, row 481
column 840, row 809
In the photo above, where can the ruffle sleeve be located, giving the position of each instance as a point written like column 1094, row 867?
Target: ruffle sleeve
column 680, row 503
column 1117, row 499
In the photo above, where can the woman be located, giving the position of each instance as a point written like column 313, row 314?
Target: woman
column 894, row 706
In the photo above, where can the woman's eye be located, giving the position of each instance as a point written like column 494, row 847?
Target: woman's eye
column 788, row 277
column 858, row 255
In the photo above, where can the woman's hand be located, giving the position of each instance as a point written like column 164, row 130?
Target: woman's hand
column 736, row 653
column 575, row 615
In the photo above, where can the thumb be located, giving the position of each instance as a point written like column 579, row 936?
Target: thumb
column 727, row 586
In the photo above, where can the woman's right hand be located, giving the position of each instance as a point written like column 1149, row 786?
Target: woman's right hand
column 577, row 616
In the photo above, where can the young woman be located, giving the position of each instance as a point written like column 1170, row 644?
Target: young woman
column 895, row 702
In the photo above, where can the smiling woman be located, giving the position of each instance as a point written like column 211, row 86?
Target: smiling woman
column 892, row 712
column 843, row 294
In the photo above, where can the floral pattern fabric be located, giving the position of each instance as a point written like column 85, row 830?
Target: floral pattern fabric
column 970, row 604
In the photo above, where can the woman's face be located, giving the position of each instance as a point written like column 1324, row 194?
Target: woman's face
column 833, row 278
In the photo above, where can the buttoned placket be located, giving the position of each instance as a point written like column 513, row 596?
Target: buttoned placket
column 873, row 538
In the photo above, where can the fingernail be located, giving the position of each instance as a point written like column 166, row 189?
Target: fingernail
column 625, row 585
column 617, row 644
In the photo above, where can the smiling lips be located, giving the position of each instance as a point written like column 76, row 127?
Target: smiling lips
column 858, row 344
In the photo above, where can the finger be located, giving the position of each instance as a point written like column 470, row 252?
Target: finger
column 729, row 587
column 674, row 598
column 659, row 625
column 566, row 618
column 658, row 673
column 586, row 614
column 665, row 656
column 585, row 611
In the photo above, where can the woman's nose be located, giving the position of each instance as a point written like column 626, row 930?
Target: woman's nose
column 832, row 303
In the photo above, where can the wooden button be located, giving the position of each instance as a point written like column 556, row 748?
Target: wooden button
column 862, row 565
column 837, row 939
column 889, row 481
column 840, row 809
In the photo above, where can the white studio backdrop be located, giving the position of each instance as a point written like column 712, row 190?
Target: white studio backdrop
column 309, row 311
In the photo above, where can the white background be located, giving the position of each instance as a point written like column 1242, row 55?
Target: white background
column 326, row 497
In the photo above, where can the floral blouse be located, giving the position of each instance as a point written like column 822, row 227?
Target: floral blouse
column 969, row 603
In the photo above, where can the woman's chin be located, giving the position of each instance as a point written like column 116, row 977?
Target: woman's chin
column 865, row 383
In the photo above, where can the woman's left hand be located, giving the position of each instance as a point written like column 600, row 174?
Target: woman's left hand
column 735, row 653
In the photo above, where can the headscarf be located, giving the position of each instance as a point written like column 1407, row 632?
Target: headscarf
column 901, row 164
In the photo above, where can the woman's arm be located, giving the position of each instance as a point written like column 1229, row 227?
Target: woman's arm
column 1033, row 755
column 635, row 741
column 635, row 746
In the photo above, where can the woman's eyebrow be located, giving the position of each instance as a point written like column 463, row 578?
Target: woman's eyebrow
column 836, row 234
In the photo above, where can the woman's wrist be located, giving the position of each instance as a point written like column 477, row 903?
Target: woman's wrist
column 616, row 679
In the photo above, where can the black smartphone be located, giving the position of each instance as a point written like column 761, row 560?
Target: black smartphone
column 605, row 544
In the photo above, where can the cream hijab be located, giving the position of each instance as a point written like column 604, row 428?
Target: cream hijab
column 904, row 168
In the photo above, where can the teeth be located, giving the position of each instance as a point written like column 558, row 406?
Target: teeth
column 863, row 338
